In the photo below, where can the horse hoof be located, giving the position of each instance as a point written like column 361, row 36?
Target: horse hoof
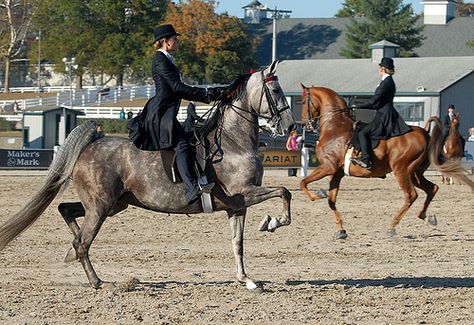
column 70, row 255
column 391, row 232
column 321, row 194
column 264, row 223
column 251, row 285
column 107, row 285
column 341, row 234
column 432, row 220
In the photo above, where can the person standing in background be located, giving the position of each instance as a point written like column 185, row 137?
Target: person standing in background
column 293, row 144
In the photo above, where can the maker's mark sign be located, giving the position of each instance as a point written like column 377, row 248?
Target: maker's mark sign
column 25, row 159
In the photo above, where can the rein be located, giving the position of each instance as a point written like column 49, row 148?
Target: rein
column 227, row 101
column 313, row 121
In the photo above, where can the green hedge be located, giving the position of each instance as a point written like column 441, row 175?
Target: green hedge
column 7, row 125
column 109, row 125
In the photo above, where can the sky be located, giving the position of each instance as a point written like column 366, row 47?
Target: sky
column 299, row 8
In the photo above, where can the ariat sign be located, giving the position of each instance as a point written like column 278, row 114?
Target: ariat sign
column 280, row 158
column 25, row 159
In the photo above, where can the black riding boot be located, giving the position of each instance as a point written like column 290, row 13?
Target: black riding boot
column 184, row 162
column 364, row 160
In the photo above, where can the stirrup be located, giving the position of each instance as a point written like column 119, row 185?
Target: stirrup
column 361, row 163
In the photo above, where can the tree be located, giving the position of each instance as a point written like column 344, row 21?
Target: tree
column 214, row 48
column 464, row 9
column 15, row 21
column 351, row 8
column 106, row 37
column 383, row 20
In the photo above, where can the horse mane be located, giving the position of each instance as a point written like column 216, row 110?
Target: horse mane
column 233, row 92
column 341, row 103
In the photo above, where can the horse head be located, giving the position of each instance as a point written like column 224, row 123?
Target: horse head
column 268, row 100
column 455, row 122
column 311, row 109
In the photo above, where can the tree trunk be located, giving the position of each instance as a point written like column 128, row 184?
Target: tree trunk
column 120, row 79
column 6, row 75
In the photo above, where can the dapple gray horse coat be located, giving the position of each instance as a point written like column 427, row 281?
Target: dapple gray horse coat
column 108, row 175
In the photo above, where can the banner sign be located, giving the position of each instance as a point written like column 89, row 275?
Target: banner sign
column 26, row 159
column 280, row 158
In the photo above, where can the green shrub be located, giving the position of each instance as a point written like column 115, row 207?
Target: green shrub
column 7, row 125
column 109, row 126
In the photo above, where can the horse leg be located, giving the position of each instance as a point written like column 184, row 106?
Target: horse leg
column 256, row 195
column 72, row 210
column 317, row 174
column 236, row 222
column 333, row 190
column 69, row 212
column 406, row 184
column 87, row 233
column 430, row 189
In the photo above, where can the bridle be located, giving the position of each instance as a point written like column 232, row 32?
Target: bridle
column 276, row 113
column 313, row 125
column 227, row 100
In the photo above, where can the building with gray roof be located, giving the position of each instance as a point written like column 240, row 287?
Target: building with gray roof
column 425, row 86
column 324, row 38
column 441, row 74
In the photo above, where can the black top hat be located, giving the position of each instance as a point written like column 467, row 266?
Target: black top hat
column 164, row 31
column 387, row 63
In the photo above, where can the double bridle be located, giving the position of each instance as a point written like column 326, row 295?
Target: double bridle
column 313, row 125
column 227, row 100
column 275, row 117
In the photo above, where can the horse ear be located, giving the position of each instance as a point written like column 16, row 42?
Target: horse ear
column 303, row 86
column 272, row 68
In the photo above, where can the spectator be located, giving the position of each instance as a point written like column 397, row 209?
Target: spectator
column 293, row 144
column 471, row 134
column 122, row 114
column 129, row 114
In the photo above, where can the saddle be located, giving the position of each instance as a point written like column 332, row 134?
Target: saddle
column 198, row 152
column 358, row 126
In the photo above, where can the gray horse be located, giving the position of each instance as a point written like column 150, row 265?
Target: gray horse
column 109, row 174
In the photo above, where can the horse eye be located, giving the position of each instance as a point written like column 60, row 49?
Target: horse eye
column 276, row 90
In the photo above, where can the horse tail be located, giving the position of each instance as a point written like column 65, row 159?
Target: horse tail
column 448, row 167
column 59, row 171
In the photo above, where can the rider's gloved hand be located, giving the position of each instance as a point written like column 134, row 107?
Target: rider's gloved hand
column 215, row 93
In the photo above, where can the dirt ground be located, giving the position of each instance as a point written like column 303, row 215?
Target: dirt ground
column 175, row 269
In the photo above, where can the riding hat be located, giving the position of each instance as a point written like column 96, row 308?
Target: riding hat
column 387, row 63
column 164, row 31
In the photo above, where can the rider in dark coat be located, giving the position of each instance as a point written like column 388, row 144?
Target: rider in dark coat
column 157, row 127
column 387, row 122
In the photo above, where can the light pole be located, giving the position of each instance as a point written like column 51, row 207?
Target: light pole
column 69, row 65
column 276, row 14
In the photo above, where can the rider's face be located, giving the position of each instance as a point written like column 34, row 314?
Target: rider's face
column 172, row 43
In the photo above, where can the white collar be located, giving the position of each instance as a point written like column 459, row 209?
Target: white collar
column 385, row 75
column 168, row 55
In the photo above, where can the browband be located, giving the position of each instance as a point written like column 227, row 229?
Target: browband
column 270, row 78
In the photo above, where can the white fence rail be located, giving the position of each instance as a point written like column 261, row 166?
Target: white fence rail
column 82, row 97
column 114, row 112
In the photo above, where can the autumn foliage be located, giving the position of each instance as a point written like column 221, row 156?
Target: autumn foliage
column 214, row 48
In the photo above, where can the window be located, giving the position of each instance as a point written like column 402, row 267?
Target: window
column 410, row 111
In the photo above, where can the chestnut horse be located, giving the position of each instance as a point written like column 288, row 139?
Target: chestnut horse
column 408, row 156
column 453, row 148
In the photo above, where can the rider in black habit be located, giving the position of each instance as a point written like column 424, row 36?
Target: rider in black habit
column 157, row 127
column 387, row 122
